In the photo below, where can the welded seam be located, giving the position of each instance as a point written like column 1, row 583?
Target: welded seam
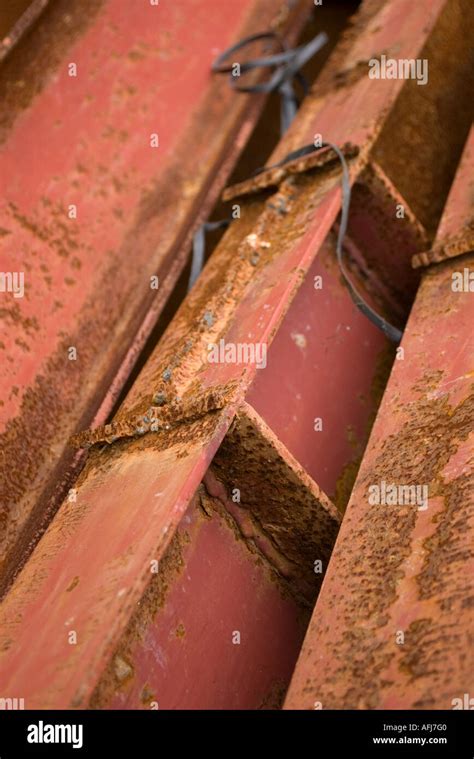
column 159, row 419
column 297, row 162
column 259, row 542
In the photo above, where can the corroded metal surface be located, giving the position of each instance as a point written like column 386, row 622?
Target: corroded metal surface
column 215, row 629
column 91, row 567
column 278, row 506
column 253, row 557
column 393, row 622
column 32, row 9
column 386, row 233
column 160, row 417
column 455, row 235
column 108, row 577
column 90, row 222
column 272, row 177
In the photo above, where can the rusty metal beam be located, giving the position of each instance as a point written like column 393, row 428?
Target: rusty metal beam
column 248, row 547
column 455, row 235
column 393, row 625
column 138, row 483
column 215, row 630
column 92, row 211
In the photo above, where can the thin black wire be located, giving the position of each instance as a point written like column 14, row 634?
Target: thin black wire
column 199, row 247
column 393, row 333
column 287, row 66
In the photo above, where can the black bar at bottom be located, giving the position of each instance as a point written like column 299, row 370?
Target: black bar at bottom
column 313, row 734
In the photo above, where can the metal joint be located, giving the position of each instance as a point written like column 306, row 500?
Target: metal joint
column 454, row 247
column 274, row 175
column 158, row 418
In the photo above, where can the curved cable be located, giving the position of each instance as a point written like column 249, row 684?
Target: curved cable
column 287, row 65
column 393, row 333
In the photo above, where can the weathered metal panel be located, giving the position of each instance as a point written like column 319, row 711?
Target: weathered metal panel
column 224, row 635
column 250, row 560
column 95, row 578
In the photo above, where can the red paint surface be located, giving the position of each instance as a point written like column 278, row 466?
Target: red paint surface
column 187, row 659
column 328, row 375
column 86, row 140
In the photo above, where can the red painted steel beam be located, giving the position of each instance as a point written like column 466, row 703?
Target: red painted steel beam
column 320, row 388
column 251, row 561
column 137, row 490
column 393, row 624
column 81, row 145
column 220, row 599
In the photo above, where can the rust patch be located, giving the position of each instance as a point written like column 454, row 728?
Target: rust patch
column 123, row 670
column 456, row 246
column 275, row 696
column 432, row 126
column 147, row 695
column 160, row 418
column 278, row 507
column 273, row 177
column 73, row 584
